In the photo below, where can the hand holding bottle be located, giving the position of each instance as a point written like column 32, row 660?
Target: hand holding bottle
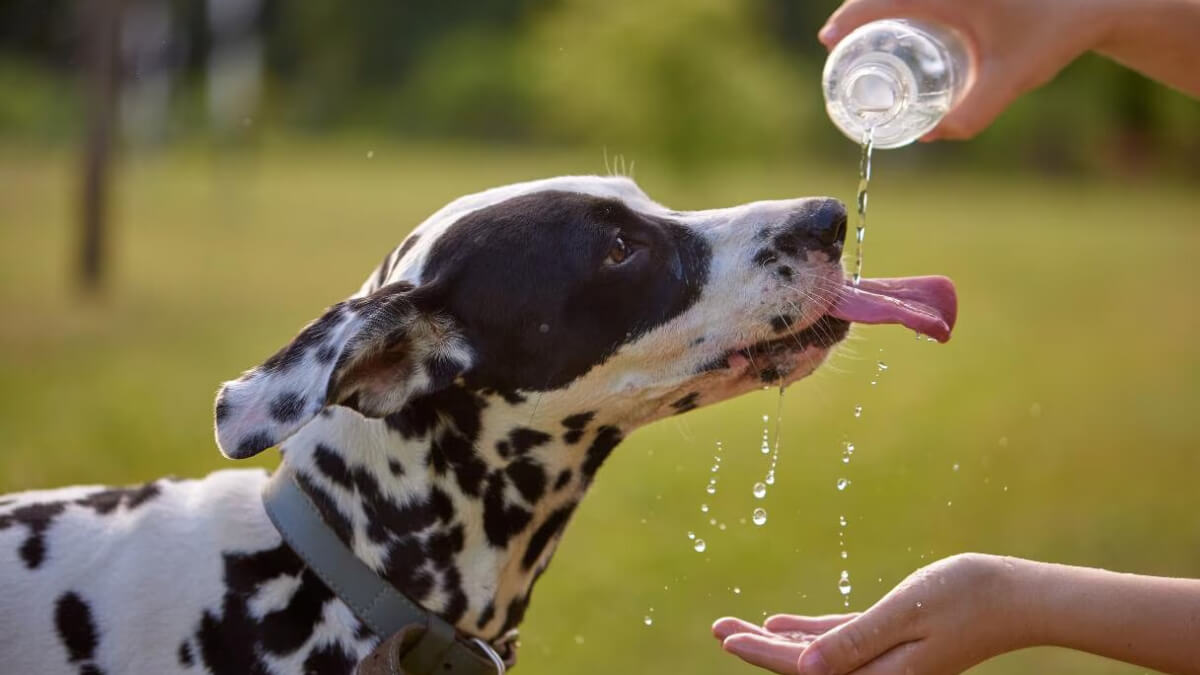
column 1015, row 46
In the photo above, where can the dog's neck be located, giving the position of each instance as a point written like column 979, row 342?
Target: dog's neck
column 459, row 499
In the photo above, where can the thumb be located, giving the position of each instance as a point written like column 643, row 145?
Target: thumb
column 986, row 97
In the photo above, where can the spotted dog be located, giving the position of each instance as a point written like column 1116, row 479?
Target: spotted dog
column 446, row 420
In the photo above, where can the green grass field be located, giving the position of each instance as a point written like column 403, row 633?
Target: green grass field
column 1067, row 400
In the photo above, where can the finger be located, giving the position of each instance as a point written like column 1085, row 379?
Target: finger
column 862, row 639
column 729, row 625
column 812, row 625
column 773, row 654
column 855, row 13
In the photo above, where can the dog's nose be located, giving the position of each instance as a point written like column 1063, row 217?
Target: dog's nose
column 818, row 225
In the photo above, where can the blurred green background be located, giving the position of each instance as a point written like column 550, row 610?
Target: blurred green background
column 1058, row 424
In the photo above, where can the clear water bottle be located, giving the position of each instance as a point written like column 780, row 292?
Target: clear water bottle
column 896, row 78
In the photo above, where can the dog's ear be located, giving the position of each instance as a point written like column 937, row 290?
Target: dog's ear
column 372, row 354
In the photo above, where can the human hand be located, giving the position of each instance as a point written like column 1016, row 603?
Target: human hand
column 944, row 618
column 1015, row 45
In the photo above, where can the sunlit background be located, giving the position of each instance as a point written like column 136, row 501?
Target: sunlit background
column 185, row 183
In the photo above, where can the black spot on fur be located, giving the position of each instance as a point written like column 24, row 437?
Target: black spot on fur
column 524, row 439
column 607, row 438
column 765, row 257
column 442, row 371
column 452, row 450
column 782, row 323
column 784, row 272
column 546, row 532
column 515, row 614
column 395, row 467
column 76, row 627
column 313, row 334
column 229, row 640
column 564, row 477
column 501, row 521
column 443, row 545
column 221, row 412
column 332, row 465
column 326, row 354
column 576, row 424
column 512, row 397
column 442, row 507
column 405, row 247
column 287, row 407
column 770, row 375
column 254, row 444
column 488, row 613
column 286, row 630
column 529, row 478
column 331, row 659
column 553, row 244
column 330, row 512
column 185, row 654
column 686, row 403
column 38, row 518
column 579, row 420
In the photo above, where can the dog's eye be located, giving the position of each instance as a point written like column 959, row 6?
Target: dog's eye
column 618, row 253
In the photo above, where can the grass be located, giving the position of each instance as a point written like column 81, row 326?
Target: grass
column 1066, row 399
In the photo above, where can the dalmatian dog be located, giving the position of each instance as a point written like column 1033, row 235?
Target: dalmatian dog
column 446, row 420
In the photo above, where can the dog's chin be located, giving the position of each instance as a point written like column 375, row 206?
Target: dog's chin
column 776, row 361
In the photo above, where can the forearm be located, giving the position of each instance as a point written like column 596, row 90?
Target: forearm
column 1159, row 38
column 1149, row 621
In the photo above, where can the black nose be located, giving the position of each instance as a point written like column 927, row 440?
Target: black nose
column 818, row 225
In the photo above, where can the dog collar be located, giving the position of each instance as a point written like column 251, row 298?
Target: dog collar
column 415, row 640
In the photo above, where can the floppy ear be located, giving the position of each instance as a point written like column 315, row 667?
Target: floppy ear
column 372, row 354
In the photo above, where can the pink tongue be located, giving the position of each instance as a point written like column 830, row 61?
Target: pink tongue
column 927, row 305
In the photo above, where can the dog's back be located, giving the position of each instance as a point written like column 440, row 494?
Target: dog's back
column 102, row 580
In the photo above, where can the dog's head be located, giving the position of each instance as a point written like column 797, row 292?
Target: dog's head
column 579, row 291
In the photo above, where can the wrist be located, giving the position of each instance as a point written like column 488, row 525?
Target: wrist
column 1022, row 588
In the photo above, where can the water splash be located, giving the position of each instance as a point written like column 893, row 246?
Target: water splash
column 864, row 181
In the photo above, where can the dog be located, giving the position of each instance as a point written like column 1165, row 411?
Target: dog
column 446, row 420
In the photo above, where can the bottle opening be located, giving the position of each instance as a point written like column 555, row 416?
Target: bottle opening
column 873, row 94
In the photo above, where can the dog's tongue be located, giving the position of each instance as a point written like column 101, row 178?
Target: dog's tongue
column 927, row 305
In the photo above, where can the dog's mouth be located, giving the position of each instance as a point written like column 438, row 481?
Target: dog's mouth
column 927, row 305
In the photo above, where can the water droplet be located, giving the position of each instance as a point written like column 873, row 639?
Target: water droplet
column 955, row 467
column 842, row 521
column 544, row 328
column 882, row 366
column 760, row 516
column 1006, row 488
column 721, row 527
column 737, row 591
column 370, row 154
column 760, row 490
column 919, row 605
column 716, row 468
column 699, row 546
column 691, row 535
column 842, row 484
column 858, row 411
column 949, row 503
column 770, row 479
column 766, row 418
column 845, row 555
column 704, row 508
column 711, row 489
column 766, row 447
column 874, row 382
column 844, row 583
column 578, row 639
column 648, row 621
column 712, row 521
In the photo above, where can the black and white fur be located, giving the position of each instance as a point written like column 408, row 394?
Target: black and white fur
column 447, row 419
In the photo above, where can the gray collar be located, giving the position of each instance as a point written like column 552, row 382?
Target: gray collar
column 429, row 644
